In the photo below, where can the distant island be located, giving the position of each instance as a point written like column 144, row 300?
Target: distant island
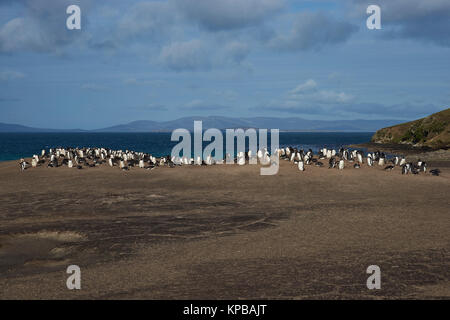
column 432, row 132
column 284, row 124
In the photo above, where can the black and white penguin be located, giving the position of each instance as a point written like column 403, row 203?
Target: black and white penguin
column 318, row 164
column 332, row 163
column 404, row 169
column 396, row 161
column 435, row 172
column 423, row 166
column 359, row 157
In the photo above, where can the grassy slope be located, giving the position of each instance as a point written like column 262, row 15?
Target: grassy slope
column 432, row 131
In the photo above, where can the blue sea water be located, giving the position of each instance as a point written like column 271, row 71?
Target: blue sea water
column 17, row 145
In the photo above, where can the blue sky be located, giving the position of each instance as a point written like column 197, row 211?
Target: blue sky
column 162, row 60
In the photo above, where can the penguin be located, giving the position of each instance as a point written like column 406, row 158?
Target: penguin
column 357, row 166
column 307, row 159
column 329, row 154
column 423, row 166
column 301, row 166
column 389, row 168
column 241, row 159
column 404, row 169
column 259, row 154
column 265, row 160
column 345, row 154
column 288, row 152
column 318, row 164
column 332, row 163
column 396, row 161
column 292, row 157
column 341, row 164
column 359, row 157
column 435, row 172
column 22, row 164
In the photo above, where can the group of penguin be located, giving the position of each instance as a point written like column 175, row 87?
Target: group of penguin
column 93, row 157
column 336, row 159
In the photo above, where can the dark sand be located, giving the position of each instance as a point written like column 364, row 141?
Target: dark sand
column 223, row 232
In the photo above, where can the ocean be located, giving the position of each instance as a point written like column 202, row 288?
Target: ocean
column 18, row 145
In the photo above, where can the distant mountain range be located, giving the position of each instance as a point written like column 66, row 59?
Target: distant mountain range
column 284, row 124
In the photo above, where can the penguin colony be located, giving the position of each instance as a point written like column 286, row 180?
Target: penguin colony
column 339, row 159
column 93, row 157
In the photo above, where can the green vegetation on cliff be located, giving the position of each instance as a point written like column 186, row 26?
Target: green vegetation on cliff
column 432, row 131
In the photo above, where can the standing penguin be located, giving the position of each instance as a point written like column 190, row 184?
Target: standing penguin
column 404, row 169
column 241, row 160
column 341, row 164
column 360, row 158
column 396, row 161
column 301, row 166
column 332, row 163
column 292, row 157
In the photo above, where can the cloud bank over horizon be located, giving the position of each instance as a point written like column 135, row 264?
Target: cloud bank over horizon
column 225, row 57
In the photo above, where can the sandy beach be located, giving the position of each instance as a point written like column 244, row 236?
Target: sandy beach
column 223, row 232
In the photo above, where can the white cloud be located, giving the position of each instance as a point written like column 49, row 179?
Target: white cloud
column 413, row 19
column 40, row 27
column 308, row 92
column 304, row 87
column 329, row 96
column 186, row 56
column 153, row 20
column 313, row 30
